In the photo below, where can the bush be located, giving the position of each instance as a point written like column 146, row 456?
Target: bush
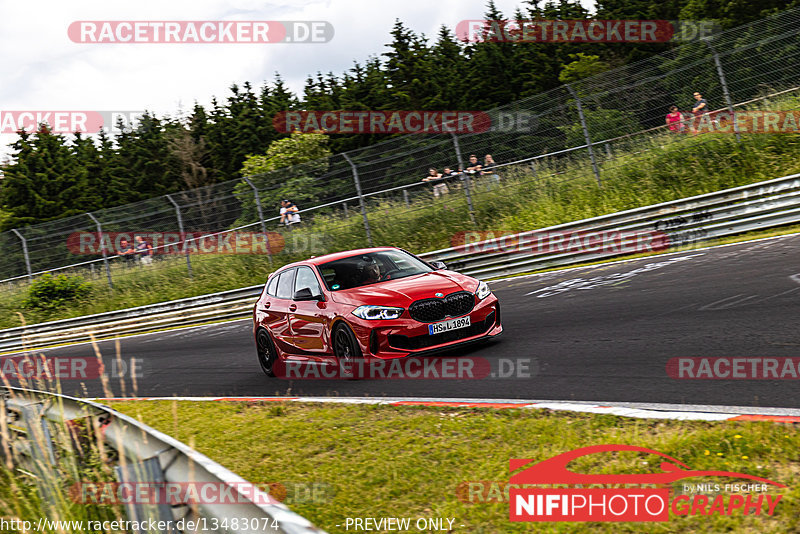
column 50, row 292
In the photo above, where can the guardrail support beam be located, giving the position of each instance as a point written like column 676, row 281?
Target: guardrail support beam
column 260, row 216
column 183, row 236
column 360, row 198
column 586, row 135
column 102, row 248
column 725, row 92
column 465, row 176
column 25, row 253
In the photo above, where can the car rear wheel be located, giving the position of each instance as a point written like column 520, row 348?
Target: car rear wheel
column 267, row 355
column 345, row 346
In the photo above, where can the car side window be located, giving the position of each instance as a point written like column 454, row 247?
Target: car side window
column 286, row 284
column 272, row 286
column 307, row 279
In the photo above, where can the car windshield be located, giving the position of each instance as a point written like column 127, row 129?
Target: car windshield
column 370, row 268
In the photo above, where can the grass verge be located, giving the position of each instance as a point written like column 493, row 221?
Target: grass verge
column 387, row 461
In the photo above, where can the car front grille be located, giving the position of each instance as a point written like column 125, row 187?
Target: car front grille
column 432, row 310
column 424, row 341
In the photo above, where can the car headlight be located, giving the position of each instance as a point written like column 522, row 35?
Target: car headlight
column 483, row 291
column 377, row 312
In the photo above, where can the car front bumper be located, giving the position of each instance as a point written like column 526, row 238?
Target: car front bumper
column 399, row 338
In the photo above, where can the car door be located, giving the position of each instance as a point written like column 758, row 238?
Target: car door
column 276, row 307
column 308, row 318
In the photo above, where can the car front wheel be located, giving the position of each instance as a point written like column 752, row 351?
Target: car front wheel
column 345, row 346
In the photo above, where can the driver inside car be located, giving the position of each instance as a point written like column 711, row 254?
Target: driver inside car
column 371, row 273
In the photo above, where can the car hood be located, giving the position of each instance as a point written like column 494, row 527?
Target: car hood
column 404, row 291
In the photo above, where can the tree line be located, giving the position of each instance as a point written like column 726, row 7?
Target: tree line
column 52, row 176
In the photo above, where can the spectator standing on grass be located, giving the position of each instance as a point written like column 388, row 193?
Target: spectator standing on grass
column 674, row 119
column 289, row 213
column 700, row 108
column 144, row 250
column 488, row 165
column 473, row 167
column 447, row 172
column 439, row 188
column 126, row 251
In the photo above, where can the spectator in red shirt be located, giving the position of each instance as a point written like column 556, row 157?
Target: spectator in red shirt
column 674, row 119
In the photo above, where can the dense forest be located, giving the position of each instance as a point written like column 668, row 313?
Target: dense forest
column 53, row 176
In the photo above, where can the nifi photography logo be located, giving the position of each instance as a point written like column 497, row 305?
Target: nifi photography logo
column 640, row 504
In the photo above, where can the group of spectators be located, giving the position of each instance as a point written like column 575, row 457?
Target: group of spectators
column 142, row 252
column 289, row 213
column 474, row 168
column 676, row 120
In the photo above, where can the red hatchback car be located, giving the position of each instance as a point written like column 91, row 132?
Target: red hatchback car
column 370, row 303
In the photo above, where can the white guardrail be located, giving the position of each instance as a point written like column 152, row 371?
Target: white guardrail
column 145, row 456
column 686, row 221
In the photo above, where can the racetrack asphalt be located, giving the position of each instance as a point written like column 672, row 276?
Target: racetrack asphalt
column 599, row 333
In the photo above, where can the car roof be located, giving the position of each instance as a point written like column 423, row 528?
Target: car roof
column 319, row 260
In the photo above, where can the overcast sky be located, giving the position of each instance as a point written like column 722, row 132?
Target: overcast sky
column 44, row 70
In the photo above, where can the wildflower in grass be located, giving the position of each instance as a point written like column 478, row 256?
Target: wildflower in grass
column 745, row 457
column 737, row 436
column 706, row 452
column 720, row 454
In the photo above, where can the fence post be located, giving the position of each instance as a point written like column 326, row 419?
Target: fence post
column 344, row 205
column 25, row 253
column 102, row 248
column 260, row 216
column 360, row 197
column 725, row 92
column 460, row 160
column 585, row 133
column 405, row 197
column 183, row 236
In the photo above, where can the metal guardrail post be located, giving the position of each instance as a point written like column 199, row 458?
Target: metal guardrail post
column 147, row 472
column 360, row 197
column 24, row 252
column 585, row 133
column 147, row 456
column 102, row 248
column 260, row 216
column 725, row 92
column 183, row 236
column 464, row 174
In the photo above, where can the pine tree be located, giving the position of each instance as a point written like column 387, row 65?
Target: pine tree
column 45, row 182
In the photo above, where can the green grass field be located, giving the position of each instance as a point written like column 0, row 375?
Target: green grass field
column 340, row 461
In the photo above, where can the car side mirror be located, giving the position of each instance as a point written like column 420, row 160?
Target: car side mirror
column 306, row 294
column 438, row 265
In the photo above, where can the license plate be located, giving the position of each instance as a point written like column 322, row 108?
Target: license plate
column 446, row 326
